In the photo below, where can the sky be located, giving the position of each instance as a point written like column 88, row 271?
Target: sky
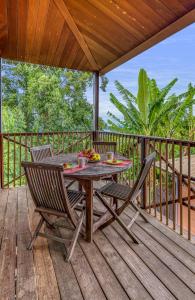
column 172, row 58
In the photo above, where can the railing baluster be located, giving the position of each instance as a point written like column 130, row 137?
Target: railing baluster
column 160, row 175
column 166, row 183
column 173, row 185
column 189, row 193
column 180, row 190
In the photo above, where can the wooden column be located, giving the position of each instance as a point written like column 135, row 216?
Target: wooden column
column 0, row 95
column 1, row 138
column 96, row 103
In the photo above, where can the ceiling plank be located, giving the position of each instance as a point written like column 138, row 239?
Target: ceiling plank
column 181, row 23
column 3, row 25
column 73, row 27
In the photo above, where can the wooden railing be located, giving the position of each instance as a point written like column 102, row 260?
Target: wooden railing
column 14, row 148
column 169, row 193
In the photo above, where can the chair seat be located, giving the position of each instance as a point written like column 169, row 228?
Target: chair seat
column 116, row 190
column 75, row 197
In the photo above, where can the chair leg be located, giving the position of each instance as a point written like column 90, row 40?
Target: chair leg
column 35, row 234
column 139, row 210
column 47, row 221
column 75, row 237
column 116, row 217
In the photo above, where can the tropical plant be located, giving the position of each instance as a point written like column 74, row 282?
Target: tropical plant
column 154, row 111
column 45, row 98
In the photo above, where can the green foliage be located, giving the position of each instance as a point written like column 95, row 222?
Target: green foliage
column 154, row 111
column 40, row 99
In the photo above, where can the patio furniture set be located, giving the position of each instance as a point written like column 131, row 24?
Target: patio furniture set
column 51, row 187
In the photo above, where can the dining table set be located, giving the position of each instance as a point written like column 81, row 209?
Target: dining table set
column 79, row 167
column 52, row 181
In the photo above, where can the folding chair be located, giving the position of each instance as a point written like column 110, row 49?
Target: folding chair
column 103, row 147
column 40, row 152
column 128, row 197
column 50, row 196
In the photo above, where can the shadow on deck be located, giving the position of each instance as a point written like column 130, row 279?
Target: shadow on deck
column 162, row 266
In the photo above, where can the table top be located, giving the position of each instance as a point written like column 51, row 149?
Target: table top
column 94, row 171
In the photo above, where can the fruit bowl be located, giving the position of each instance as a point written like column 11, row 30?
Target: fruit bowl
column 90, row 154
column 93, row 161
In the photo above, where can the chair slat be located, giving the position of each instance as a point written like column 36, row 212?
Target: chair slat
column 40, row 152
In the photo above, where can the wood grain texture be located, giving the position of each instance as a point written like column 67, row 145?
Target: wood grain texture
column 111, row 267
column 87, row 35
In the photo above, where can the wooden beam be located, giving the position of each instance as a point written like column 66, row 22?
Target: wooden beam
column 1, row 95
column 181, row 23
column 96, row 101
column 79, row 37
column 3, row 25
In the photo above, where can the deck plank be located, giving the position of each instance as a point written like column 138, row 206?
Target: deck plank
column 3, row 206
column 168, row 232
column 166, row 276
column 47, row 287
column 128, row 280
column 164, row 255
column 86, row 278
column 111, row 267
column 67, row 282
column 8, row 249
column 104, row 274
column 26, row 278
column 154, row 286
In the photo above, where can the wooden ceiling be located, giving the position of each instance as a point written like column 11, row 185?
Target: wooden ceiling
column 91, row 35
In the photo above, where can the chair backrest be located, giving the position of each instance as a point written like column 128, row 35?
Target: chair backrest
column 47, row 188
column 103, row 147
column 40, row 152
column 140, row 180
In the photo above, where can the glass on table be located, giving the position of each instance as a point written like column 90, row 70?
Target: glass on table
column 110, row 155
column 82, row 161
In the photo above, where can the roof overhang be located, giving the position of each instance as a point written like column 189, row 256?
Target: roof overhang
column 87, row 35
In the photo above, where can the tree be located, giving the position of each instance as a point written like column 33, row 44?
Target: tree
column 153, row 111
column 49, row 99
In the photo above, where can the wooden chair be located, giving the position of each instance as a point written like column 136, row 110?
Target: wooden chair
column 128, row 197
column 103, row 147
column 40, row 152
column 50, row 196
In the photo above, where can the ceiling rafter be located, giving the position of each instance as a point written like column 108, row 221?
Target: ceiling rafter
column 179, row 24
column 79, row 37
column 3, row 24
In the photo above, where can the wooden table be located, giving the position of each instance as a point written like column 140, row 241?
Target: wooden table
column 85, row 177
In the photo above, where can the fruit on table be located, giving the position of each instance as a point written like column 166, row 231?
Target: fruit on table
column 67, row 165
column 90, row 154
column 95, row 156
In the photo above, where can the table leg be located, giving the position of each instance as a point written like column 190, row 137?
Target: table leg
column 115, row 201
column 88, row 187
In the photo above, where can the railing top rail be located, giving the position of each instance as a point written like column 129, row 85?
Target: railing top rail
column 42, row 133
column 154, row 138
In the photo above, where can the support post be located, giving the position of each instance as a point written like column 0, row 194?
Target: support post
column 1, row 137
column 96, row 104
column 0, row 95
column 144, row 188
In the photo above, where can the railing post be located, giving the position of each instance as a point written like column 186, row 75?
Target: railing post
column 95, row 136
column 1, row 162
column 144, row 188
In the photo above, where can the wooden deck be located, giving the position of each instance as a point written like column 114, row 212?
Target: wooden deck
column 162, row 266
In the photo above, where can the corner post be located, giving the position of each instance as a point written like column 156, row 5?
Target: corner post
column 1, row 137
column 1, row 95
column 144, row 188
column 96, row 83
